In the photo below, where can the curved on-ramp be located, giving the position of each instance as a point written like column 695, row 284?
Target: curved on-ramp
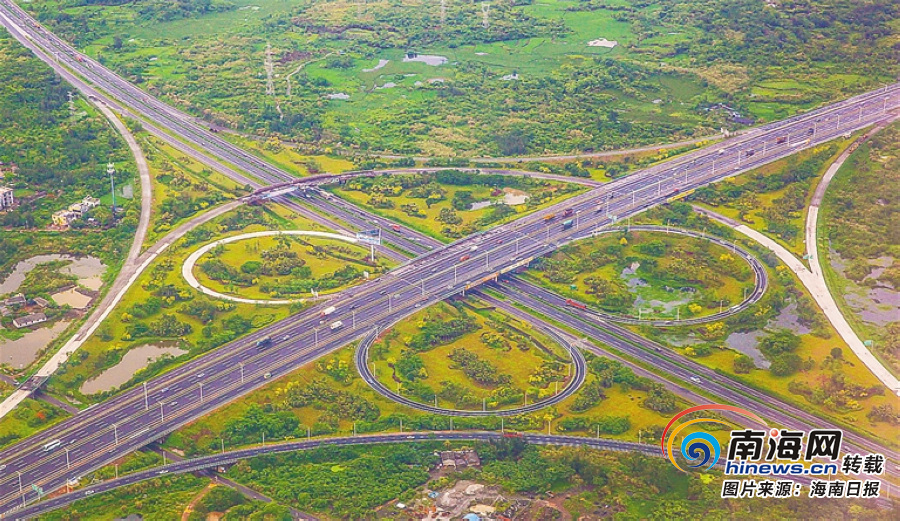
column 187, row 269
column 761, row 279
column 578, row 375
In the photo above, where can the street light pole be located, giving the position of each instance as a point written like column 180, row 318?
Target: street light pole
column 201, row 390
column 146, row 400
column 242, row 372
column 116, row 433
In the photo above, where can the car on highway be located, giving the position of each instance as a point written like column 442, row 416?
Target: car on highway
column 267, row 376
column 464, row 258
column 695, row 379
column 200, row 375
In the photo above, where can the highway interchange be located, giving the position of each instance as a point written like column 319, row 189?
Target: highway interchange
column 136, row 417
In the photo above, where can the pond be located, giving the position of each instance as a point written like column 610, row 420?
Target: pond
column 133, row 361
column 72, row 298
column 748, row 343
column 89, row 271
column 381, row 63
column 21, row 353
column 428, row 59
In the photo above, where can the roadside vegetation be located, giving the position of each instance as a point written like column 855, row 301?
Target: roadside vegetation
column 391, row 481
column 647, row 275
column 773, row 199
column 182, row 187
column 860, row 259
column 450, row 204
column 401, row 79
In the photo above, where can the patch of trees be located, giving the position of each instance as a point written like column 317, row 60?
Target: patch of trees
column 441, row 332
column 167, row 326
column 602, row 424
column 340, row 404
column 588, row 396
column 478, row 369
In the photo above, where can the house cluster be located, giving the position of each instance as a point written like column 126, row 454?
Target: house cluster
column 459, row 458
column 17, row 301
column 74, row 212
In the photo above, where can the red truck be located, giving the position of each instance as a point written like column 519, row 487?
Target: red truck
column 512, row 434
column 575, row 304
column 396, row 227
column 569, row 212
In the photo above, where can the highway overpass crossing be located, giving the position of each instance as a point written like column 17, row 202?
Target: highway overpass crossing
column 126, row 422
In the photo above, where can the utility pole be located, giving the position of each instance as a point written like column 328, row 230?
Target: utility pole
column 111, row 170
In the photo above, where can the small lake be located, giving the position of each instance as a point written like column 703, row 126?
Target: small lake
column 22, row 352
column 381, row 63
column 428, row 59
column 89, row 271
column 748, row 343
column 133, row 361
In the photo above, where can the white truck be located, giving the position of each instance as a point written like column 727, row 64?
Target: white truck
column 337, row 325
column 327, row 311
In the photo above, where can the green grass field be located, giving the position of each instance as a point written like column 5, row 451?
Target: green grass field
column 721, row 279
column 519, row 364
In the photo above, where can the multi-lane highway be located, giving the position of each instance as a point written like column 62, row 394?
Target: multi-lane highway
column 135, row 417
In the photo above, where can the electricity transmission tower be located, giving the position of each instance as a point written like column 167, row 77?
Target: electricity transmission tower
column 270, row 70
column 485, row 9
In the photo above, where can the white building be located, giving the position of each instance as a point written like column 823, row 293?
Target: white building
column 6, row 197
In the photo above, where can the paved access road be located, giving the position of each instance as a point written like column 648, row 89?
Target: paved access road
column 136, row 417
